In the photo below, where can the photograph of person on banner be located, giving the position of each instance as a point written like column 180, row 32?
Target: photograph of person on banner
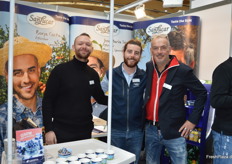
column 98, row 60
column 28, row 58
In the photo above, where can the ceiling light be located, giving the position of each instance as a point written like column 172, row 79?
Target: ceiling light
column 140, row 11
column 172, row 3
column 133, row 4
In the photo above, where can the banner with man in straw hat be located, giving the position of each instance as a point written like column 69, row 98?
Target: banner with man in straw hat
column 28, row 58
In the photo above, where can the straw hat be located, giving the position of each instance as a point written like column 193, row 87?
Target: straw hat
column 103, row 56
column 23, row 46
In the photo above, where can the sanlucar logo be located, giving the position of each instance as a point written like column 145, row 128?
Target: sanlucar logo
column 104, row 29
column 158, row 28
column 41, row 20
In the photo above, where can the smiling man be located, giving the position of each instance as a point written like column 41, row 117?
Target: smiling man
column 28, row 57
column 67, row 110
column 167, row 83
column 127, row 100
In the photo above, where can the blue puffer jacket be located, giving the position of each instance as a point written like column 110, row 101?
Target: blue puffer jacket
column 127, row 101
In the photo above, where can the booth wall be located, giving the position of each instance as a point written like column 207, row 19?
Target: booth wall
column 214, row 38
column 198, row 3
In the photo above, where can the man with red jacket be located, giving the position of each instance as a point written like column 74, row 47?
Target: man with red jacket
column 167, row 83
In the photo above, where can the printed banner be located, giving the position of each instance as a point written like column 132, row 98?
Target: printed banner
column 183, row 33
column 45, row 34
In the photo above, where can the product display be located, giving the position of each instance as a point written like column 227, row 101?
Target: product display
column 98, row 156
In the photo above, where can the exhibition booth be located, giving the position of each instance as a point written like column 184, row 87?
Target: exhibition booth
column 206, row 31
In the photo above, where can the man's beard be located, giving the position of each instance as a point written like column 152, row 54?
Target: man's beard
column 130, row 65
column 80, row 56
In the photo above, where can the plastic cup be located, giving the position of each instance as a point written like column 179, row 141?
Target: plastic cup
column 110, row 154
column 89, row 151
column 103, row 157
column 81, row 155
column 91, row 156
column 96, row 161
column 85, row 161
column 72, row 158
column 99, row 151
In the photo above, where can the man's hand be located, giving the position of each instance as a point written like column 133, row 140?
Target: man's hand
column 50, row 138
column 186, row 128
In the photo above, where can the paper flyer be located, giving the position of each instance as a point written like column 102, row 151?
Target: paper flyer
column 29, row 145
column 183, row 33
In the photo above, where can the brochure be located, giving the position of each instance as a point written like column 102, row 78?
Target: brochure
column 29, row 145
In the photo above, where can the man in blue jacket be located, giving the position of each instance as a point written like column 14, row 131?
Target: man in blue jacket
column 127, row 99
column 167, row 83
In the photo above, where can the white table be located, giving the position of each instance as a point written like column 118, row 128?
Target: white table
column 121, row 156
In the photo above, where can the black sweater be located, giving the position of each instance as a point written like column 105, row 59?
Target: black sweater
column 67, row 100
column 221, row 97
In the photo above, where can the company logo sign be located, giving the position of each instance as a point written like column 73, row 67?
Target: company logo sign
column 158, row 28
column 41, row 20
column 104, row 29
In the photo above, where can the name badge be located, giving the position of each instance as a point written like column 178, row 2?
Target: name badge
column 91, row 82
column 167, row 86
column 136, row 80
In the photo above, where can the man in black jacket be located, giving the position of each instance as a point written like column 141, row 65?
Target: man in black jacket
column 67, row 110
column 221, row 100
column 167, row 83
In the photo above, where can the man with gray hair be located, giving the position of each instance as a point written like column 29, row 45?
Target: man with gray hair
column 167, row 84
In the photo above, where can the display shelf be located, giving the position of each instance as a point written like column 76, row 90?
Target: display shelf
column 202, row 123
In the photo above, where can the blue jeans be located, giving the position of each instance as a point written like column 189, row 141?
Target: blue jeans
column 130, row 141
column 222, row 148
column 154, row 143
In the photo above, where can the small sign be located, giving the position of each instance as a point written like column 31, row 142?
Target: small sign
column 29, row 145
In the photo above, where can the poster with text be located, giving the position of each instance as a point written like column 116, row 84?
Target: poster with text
column 183, row 33
column 99, row 31
column 42, row 33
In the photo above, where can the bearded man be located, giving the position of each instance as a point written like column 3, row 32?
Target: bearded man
column 67, row 110
column 127, row 100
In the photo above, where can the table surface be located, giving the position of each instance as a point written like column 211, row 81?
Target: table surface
column 121, row 156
